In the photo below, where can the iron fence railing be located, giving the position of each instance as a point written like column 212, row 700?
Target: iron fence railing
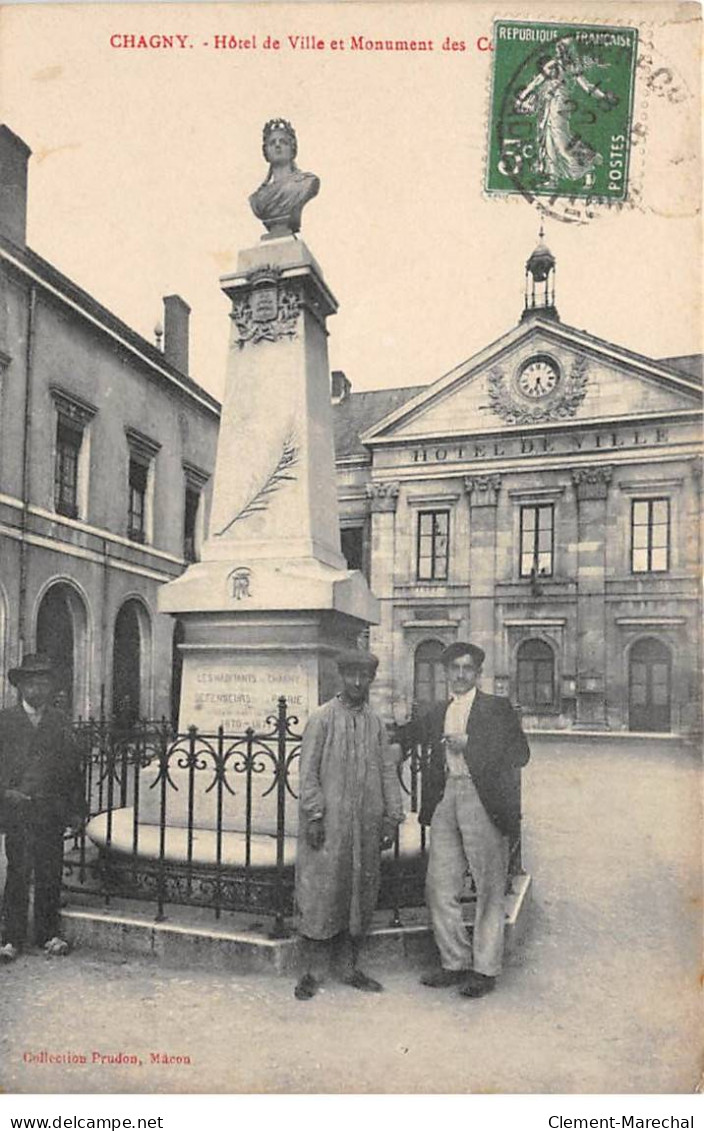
column 210, row 819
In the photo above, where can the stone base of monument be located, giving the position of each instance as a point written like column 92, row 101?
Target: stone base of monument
column 240, row 942
column 201, row 847
column 279, row 637
column 189, row 938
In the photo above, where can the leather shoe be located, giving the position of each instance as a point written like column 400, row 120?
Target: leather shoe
column 56, row 947
column 439, row 979
column 477, row 985
column 306, row 988
column 361, row 981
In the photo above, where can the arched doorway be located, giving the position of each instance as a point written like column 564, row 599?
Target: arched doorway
column 61, row 634
column 128, row 666
column 649, row 686
column 429, row 676
column 56, row 637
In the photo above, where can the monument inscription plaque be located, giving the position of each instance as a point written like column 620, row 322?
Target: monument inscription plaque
column 239, row 690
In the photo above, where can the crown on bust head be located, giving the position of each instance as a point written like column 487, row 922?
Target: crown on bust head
column 285, row 126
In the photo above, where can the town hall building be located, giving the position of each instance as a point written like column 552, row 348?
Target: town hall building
column 543, row 500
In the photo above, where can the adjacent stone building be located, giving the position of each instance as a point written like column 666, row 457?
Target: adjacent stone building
column 106, row 451
column 542, row 500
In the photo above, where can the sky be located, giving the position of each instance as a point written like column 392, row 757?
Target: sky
column 143, row 161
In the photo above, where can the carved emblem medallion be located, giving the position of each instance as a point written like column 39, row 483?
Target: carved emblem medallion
column 240, row 579
column 269, row 311
column 540, row 391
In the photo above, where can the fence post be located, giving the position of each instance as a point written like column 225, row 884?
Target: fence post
column 219, row 787
column 191, row 762
column 164, row 781
column 279, row 930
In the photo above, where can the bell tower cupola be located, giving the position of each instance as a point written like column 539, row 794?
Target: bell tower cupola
column 540, row 283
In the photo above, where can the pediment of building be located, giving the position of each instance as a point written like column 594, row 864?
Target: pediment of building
column 539, row 375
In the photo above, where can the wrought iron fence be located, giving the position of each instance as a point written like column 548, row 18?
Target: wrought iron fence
column 210, row 819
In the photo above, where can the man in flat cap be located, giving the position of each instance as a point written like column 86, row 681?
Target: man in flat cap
column 471, row 800
column 350, row 807
column 40, row 795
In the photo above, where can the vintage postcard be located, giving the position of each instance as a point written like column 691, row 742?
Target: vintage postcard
column 350, row 497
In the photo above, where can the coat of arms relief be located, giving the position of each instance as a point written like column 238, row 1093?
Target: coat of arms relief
column 270, row 309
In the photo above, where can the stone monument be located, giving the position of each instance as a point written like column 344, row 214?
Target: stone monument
column 271, row 600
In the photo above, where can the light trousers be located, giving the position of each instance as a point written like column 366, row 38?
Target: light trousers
column 463, row 836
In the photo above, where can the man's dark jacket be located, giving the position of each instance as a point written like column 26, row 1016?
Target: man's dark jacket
column 41, row 762
column 496, row 749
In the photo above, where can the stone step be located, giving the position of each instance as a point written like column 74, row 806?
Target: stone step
column 190, row 937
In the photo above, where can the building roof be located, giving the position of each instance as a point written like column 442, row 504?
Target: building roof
column 690, row 363
column 359, row 411
column 33, row 265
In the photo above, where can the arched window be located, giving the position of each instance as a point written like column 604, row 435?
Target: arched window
column 536, row 675
column 649, row 686
column 429, row 678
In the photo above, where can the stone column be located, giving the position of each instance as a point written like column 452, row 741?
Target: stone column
column 483, row 494
column 383, row 500
column 591, row 489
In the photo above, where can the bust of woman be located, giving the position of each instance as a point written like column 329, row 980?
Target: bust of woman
column 279, row 200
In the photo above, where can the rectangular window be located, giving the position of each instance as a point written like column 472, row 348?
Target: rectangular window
column 650, row 535
column 433, row 545
column 68, row 449
column 352, row 545
column 190, row 517
column 537, row 524
column 136, row 527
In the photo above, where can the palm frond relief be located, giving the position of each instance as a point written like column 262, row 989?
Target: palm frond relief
column 282, row 472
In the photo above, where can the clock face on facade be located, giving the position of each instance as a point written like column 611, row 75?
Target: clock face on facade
column 537, row 377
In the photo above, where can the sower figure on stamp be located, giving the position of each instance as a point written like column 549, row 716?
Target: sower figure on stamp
column 471, row 799
column 40, row 795
column 350, row 807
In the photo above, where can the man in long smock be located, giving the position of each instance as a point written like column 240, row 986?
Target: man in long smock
column 350, row 806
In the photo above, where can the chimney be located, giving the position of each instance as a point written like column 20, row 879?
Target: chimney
column 340, row 386
column 14, row 155
column 176, row 315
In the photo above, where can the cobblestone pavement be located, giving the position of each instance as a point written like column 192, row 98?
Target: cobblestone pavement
column 601, row 996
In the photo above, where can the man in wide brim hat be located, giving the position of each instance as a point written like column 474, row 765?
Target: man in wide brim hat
column 349, row 795
column 471, row 800
column 33, row 664
column 41, row 793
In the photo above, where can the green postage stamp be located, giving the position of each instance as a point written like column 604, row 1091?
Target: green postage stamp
column 561, row 106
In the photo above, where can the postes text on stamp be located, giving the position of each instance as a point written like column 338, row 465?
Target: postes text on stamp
column 561, row 107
